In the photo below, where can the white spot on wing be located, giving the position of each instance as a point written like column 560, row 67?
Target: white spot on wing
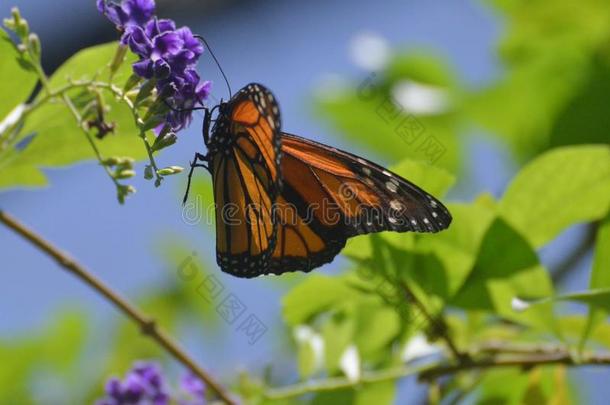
column 391, row 186
column 396, row 205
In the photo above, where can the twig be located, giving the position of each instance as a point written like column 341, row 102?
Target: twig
column 147, row 325
column 431, row 372
column 499, row 347
column 526, row 362
column 437, row 323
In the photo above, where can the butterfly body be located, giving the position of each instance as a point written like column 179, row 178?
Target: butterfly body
column 286, row 203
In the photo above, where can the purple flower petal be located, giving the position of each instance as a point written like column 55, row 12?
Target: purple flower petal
column 193, row 386
column 155, row 27
column 139, row 11
column 161, row 69
column 203, row 90
column 190, row 42
column 143, row 68
column 113, row 12
column 113, row 388
column 139, row 42
column 167, row 43
column 134, row 388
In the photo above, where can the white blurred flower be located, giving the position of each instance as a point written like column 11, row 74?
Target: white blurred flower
column 12, row 118
column 519, row 305
column 420, row 99
column 418, row 347
column 305, row 335
column 350, row 363
column 369, row 51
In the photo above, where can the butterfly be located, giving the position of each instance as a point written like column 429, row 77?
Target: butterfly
column 285, row 203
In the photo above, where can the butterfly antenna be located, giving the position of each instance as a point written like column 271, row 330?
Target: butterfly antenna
column 202, row 39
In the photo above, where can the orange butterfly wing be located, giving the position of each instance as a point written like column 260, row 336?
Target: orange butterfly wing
column 246, row 180
column 329, row 195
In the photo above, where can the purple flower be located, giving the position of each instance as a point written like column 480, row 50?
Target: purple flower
column 127, row 15
column 166, row 54
column 142, row 385
column 194, row 389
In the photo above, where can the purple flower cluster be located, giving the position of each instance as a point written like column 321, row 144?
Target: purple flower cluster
column 145, row 385
column 167, row 55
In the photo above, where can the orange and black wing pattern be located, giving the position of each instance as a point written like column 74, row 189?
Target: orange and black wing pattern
column 245, row 168
column 286, row 203
column 329, row 195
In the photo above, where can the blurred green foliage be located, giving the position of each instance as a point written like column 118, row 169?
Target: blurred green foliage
column 49, row 136
column 549, row 106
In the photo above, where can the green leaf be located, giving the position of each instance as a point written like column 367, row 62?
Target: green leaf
column 445, row 260
column 338, row 334
column 585, row 119
column 316, row 294
column 376, row 328
column 504, row 387
column 381, row 393
column 340, row 396
column 507, row 267
column 600, row 276
column 560, row 188
column 92, row 63
column 549, row 51
column 306, row 360
column 56, row 138
column 17, row 78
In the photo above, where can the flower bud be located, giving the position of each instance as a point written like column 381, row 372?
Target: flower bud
column 22, row 28
column 169, row 90
column 34, row 43
column 117, row 60
column 111, row 161
column 124, row 161
column 148, row 172
column 152, row 122
column 123, row 191
column 9, row 23
column 124, row 174
column 16, row 15
column 131, row 82
column 145, row 90
column 163, row 141
column 168, row 171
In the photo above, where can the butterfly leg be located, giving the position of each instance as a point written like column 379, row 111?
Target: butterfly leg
column 195, row 163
